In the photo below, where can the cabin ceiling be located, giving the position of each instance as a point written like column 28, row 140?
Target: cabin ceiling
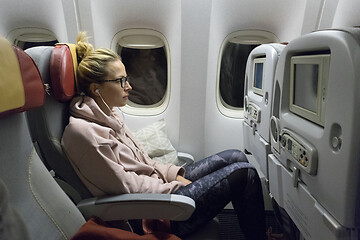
column 286, row 19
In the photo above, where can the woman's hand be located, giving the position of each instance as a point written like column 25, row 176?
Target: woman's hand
column 183, row 180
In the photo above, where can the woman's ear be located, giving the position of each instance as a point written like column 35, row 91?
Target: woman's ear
column 94, row 89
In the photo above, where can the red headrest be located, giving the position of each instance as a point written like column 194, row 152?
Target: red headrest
column 62, row 72
column 27, row 85
column 33, row 85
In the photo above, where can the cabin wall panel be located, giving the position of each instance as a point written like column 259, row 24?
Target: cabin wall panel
column 195, row 40
column 347, row 14
column 71, row 19
column 283, row 18
column 103, row 19
column 312, row 14
column 36, row 13
column 328, row 13
column 109, row 17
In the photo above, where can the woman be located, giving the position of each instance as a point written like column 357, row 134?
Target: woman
column 109, row 161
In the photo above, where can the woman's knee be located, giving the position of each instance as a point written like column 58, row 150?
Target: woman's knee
column 238, row 179
column 233, row 155
column 253, row 174
column 244, row 178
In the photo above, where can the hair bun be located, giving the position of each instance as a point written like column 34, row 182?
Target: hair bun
column 83, row 47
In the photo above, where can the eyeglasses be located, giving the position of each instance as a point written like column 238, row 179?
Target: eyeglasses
column 121, row 80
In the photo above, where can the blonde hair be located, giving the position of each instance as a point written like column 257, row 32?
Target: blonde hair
column 92, row 63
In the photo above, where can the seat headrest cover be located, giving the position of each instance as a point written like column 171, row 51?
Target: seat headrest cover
column 75, row 61
column 12, row 95
column 32, row 82
column 62, row 72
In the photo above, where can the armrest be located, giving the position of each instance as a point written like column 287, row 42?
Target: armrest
column 185, row 159
column 138, row 206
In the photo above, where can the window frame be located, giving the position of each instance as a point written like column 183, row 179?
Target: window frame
column 246, row 37
column 138, row 109
column 31, row 34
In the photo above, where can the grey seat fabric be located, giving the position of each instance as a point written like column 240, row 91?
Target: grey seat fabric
column 47, row 210
column 11, row 224
column 47, row 124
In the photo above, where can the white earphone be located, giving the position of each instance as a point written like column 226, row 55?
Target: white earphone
column 107, row 106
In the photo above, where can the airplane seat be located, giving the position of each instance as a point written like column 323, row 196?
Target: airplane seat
column 46, row 211
column 314, row 165
column 48, row 122
column 259, row 78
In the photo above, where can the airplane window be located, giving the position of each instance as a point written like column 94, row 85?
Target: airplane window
column 232, row 61
column 145, row 54
column 28, row 44
column 232, row 73
column 147, row 69
column 26, row 38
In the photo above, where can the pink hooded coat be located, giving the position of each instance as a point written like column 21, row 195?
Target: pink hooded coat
column 107, row 159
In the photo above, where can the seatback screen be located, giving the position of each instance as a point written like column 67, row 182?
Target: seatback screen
column 306, row 80
column 258, row 75
column 308, row 84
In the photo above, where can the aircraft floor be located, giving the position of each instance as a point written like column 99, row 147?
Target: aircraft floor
column 230, row 229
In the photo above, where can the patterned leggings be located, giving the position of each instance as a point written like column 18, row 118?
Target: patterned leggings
column 217, row 180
